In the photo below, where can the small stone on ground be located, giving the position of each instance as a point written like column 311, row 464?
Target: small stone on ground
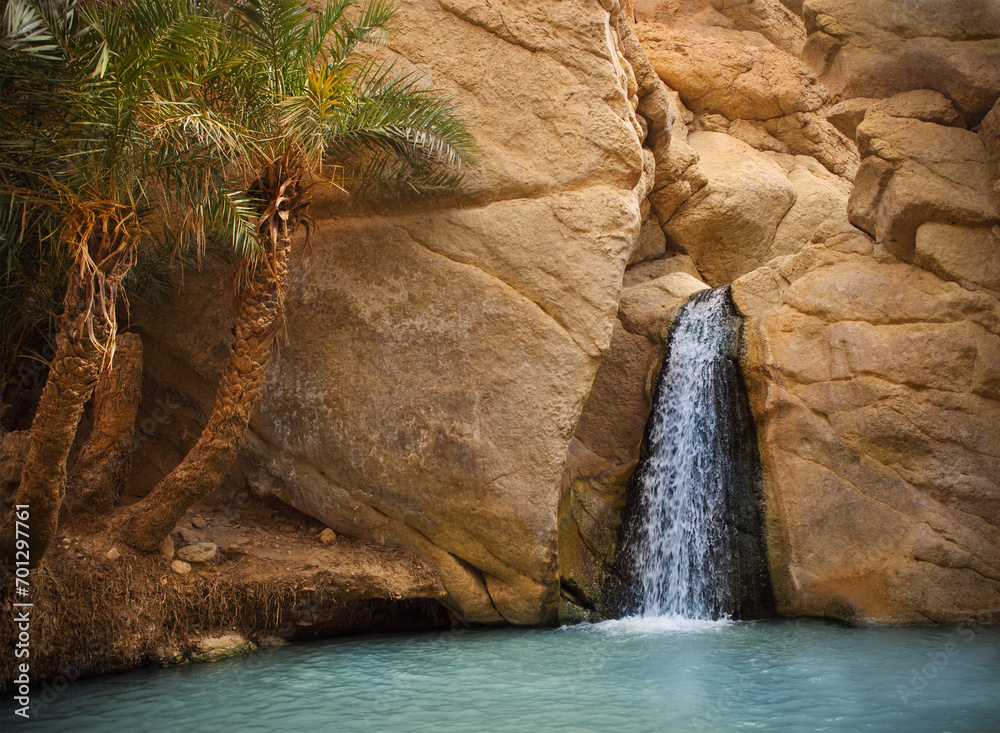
column 198, row 552
column 181, row 567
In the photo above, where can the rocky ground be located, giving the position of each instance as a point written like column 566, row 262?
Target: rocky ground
column 262, row 576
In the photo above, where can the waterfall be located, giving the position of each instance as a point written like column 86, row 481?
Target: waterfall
column 692, row 542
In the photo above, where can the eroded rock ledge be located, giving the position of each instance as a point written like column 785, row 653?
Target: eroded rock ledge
column 101, row 608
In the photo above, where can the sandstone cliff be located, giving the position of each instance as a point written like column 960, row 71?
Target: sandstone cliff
column 469, row 379
column 861, row 237
column 437, row 361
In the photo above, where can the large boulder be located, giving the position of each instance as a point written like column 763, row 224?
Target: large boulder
column 728, row 227
column 756, row 206
column 434, row 373
column 876, row 389
column 915, row 172
column 438, row 354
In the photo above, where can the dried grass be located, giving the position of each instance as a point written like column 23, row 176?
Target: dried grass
column 93, row 617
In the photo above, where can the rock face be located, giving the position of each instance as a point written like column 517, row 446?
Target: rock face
column 878, row 48
column 739, row 82
column 778, row 24
column 874, row 370
column 437, row 361
column 875, row 384
column 470, row 378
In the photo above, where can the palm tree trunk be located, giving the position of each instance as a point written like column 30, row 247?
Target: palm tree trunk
column 72, row 376
column 149, row 520
column 102, row 469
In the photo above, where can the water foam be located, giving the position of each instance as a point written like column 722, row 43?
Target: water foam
column 654, row 625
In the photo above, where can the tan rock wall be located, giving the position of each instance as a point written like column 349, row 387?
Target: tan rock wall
column 877, row 48
column 876, row 386
column 439, row 356
column 470, row 378
column 741, row 83
column 874, row 369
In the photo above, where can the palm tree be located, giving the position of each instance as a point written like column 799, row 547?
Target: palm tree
column 321, row 110
column 106, row 129
column 33, row 272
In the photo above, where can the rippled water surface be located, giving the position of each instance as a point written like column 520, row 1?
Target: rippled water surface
column 626, row 675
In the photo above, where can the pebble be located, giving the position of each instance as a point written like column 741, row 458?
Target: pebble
column 167, row 547
column 199, row 523
column 179, row 566
column 113, row 554
column 287, row 528
column 217, row 648
column 199, row 552
column 327, row 536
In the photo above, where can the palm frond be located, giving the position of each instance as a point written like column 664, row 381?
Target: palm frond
column 185, row 125
column 387, row 173
column 307, row 117
column 234, row 215
column 31, row 31
column 373, row 25
column 393, row 113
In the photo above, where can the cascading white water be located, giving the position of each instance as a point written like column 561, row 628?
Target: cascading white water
column 691, row 540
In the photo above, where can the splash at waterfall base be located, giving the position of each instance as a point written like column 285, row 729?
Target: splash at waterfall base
column 692, row 542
